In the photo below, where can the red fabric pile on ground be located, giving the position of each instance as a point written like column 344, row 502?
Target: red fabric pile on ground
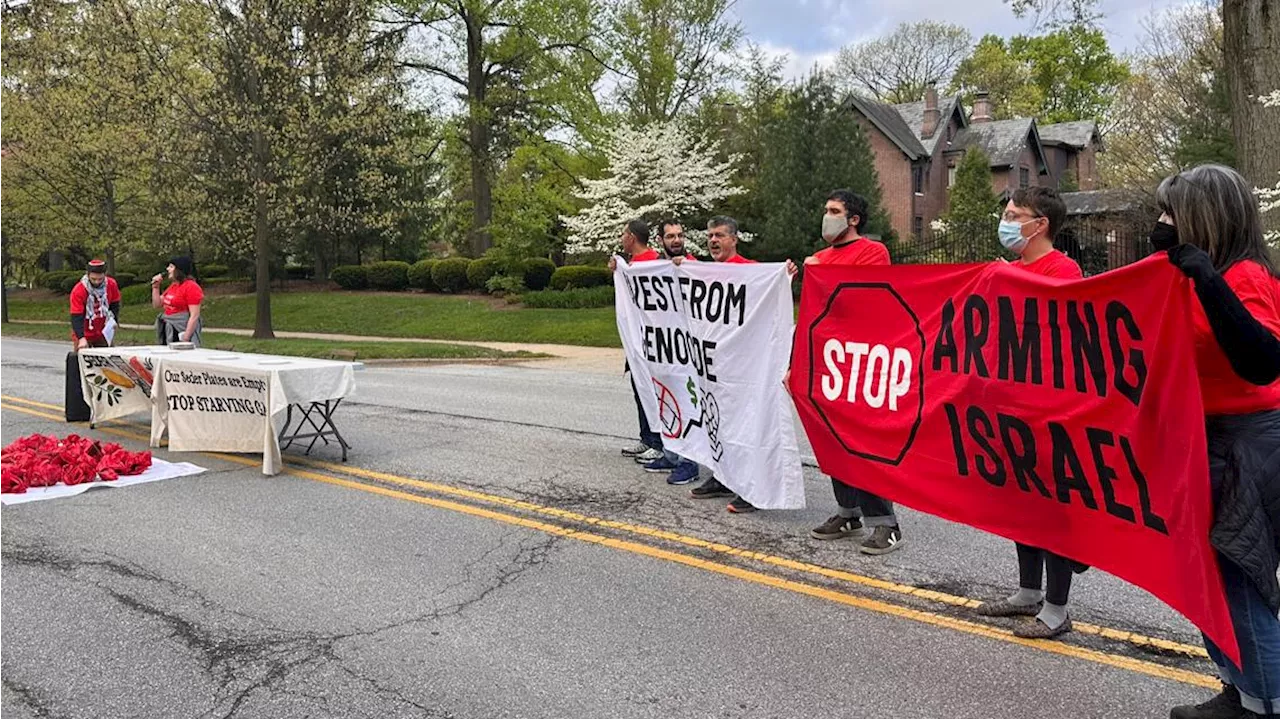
column 43, row 461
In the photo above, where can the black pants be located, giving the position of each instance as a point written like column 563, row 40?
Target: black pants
column 1034, row 564
column 850, row 497
column 648, row 437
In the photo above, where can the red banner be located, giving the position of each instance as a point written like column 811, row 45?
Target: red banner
column 1064, row 415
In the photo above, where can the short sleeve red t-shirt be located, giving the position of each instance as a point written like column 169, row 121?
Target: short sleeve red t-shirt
column 80, row 298
column 1055, row 264
column 1223, row 391
column 646, row 256
column 861, row 251
column 180, row 296
column 739, row 260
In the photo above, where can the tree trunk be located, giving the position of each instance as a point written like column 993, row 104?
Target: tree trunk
column 261, row 241
column 1251, row 50
column 4, row 284
column 479, row 134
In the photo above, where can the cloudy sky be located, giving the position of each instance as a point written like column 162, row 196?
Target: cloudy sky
column 810, row 31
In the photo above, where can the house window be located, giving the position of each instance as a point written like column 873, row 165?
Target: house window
column 917, row 226
column 951, row 176
column 1024, row 177
column 917, row 180
column 951, row 132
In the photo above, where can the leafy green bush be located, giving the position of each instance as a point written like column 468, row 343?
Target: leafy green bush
column 420, row 275
column 136, row 294
column 124, row 279
column 69, row 283
column 211, row 271
column 480, row 271
column 53, row 281
column 391, row 275
column 505, row 285
column 224, row 281
column 299, row 272
column 579, row 298
column 572, row 276
column 451, row 275
column 537, row 272
column 350, row 277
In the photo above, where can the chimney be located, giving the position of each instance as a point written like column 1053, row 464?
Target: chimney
column 931, row 114
column 981, row 107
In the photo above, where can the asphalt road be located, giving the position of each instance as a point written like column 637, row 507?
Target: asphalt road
column 409, row 584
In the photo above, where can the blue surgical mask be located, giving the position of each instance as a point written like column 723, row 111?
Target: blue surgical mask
column 1011, row 235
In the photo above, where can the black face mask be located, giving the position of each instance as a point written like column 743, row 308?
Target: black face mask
column 1164, row 237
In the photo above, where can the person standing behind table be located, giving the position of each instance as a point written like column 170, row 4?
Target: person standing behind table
column 1212, row 229
column 180, row 320
column 635, row 243
column 843, row 219
column 1028, row 228
column 95, row 307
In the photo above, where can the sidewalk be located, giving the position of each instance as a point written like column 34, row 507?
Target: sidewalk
column 601, row 360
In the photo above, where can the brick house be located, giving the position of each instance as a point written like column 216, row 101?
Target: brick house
column 917, row 146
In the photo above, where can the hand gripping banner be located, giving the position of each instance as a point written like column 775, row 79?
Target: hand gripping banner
column 1063, row 415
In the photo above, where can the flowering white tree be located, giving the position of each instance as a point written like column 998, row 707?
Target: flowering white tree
column 1269, row 197
column 655, row 171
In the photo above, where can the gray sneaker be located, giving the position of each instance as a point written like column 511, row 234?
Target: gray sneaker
column 1005, row 608
column 632, row 450
column 882, row 541
column 649, row 455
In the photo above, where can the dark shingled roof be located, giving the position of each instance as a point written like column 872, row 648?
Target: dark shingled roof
column 912, row 113
column 1002, row 140
column 888, row 121
column 1079, row 134
column 1099, row 202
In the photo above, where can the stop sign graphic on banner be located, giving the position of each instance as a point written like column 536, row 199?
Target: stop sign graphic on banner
column 867, row 352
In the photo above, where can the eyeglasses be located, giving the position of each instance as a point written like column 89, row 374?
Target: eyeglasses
column 673, row 236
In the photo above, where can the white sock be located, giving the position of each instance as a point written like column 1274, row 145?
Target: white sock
column 1025, row 597
column 1053, row 615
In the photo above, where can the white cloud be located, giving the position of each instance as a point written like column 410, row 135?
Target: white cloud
column 799, row 64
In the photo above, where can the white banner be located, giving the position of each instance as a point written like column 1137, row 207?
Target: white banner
column 116, row 382
column 712, row 341
column 214, row 408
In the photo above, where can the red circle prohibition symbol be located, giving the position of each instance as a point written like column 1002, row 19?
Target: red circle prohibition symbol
column 668, row 411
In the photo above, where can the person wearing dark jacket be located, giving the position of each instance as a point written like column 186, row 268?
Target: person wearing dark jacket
column 1212, row 230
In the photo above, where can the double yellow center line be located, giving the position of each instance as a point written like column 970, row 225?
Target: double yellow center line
column 305, row 469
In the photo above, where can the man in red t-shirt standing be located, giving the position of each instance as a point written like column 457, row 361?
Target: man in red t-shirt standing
column 843, row 220
column 1028, row 227
column 635, row 244
column 95, row 307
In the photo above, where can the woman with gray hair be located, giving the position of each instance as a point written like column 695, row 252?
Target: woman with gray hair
column 1212, row 230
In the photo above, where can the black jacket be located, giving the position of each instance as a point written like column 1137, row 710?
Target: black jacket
column 1244, row 472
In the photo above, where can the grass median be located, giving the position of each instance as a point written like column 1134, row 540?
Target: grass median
column 381, row 314
column 292, row 347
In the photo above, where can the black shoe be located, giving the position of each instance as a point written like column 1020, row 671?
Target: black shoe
column 710, row 489
column 882, row 541
column 741, row 506
column 836, row 528
column 1224, row 706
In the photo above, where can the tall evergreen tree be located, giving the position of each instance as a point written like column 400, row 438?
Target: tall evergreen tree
column 814, row 145
column 971, row 211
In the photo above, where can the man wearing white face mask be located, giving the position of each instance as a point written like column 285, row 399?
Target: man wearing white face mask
column 1030, row 221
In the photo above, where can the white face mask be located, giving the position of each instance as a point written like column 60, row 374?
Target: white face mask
column 833, row 225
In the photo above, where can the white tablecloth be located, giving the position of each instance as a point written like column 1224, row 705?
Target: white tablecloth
column 209, row 400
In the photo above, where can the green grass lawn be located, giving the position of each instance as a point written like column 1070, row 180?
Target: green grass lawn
column 291, row 347
column 425, row 316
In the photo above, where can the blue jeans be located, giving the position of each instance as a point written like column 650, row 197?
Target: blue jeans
column 648, row 437
column 675, row 459
column 1258, row 633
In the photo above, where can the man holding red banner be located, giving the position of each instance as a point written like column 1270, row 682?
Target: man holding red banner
column 843, row 219
column 1029, row 226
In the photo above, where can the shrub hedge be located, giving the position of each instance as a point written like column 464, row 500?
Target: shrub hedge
column 211, row 271
column 392, row 276
column 572, row 276
column 537, row 272
column 578, row 298
column 451, row 275
column 420, row 275
column 480, row 271
column 350, row 277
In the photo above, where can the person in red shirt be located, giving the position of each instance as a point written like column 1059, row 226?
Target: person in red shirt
column 181, row 300
column 1029, row 227
column 95, row 307
column 1212, row 229
column 843, row 219
column 635, row 244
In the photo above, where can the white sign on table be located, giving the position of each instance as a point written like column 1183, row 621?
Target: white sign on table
column 116, row 382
